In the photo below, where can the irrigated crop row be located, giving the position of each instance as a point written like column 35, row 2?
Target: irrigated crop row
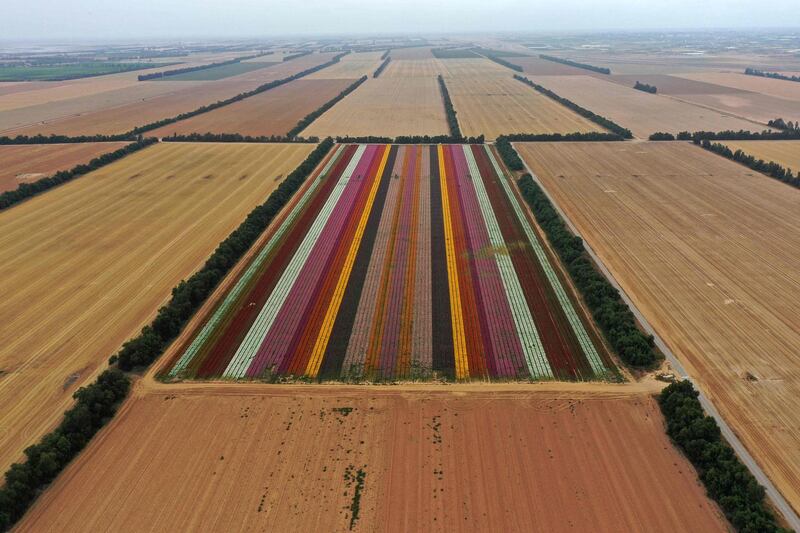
column 398, row 262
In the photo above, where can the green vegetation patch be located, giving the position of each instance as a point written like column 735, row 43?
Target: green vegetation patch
column 69, row 71
column 217, row 73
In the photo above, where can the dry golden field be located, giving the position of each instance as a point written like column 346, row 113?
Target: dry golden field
column 385, row 106
column 785, row 153
column 496, row 105
column 414, row 52
column 84, row 266
column 352, row 66
column 273, row 112
column 640, row 112
column 707, row 250
column 26, row 163
column 777, row 88
column 412, row 68
column 481, row 458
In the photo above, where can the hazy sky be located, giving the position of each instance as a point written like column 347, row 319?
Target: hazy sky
column 86, row 19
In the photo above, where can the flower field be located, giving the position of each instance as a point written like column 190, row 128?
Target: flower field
column 398, row 262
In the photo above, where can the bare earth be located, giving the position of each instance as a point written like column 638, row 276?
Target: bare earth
column 84, row 266
column 640, row 112
column 385, row 106
column 273, row 112
column 274, row 458
column 496, row 105
column 785, row 153
column 707, row 250
column 26, row 163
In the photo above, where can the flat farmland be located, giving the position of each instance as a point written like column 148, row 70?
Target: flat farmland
column 472, row 68
column 777, row 88
column 26, row 163
column 412, row 68
column 642, row 113
column 285, row 458
column 84, row 266
column 493, row 106
column 273, row 112
column 785, row 153
column 352, row 66
column 542, row 67
column 217, row 73
column 412, row 52
column 397, row 263
column 707, row 250
column 385, row 106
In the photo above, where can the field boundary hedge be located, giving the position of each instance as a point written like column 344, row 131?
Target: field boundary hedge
column 381, row 67
column 645, row 87
column 610, row 312
column 728, row 135
column 507, row 64
column 297, row 55
column 582, row 111
column 28, row 190
column 97, row 403
column 726, row 479
column 412, row 139
column 236, row 138
column 241, row 96
column 311, row 117
column 771, row 168
column 175, row 72
column 775, row 75
column 585, row 66
column 512, row 159
column 449, row 110
column 65, row 139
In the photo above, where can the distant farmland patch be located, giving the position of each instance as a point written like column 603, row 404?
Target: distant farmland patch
column 218, row 73
column 69, row 71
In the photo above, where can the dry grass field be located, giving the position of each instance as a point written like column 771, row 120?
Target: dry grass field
column 415, row 52
column 385, row 106
column 642, row 113
column 273, row 112
column 25, row 163
column 352, row 66
column 120, row 110
column 786, row 153
column 266, row 458
column 496, row 105
column 707, row 250
column 472, row 68
column 86, row 265
column 542, row 67
column 777, row 88
column 412, row 68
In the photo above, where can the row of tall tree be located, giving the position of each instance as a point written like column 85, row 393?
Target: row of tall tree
column 236, row 138
column 582, row 111
column 728, row 135
column 770, row 168
column 585, row 66
column 645, row 87
column 412, row 139
column 775, row 75
column 185, row 70
column 382, row 66
column 501, row 61
column 449, row 110
column 65, row 139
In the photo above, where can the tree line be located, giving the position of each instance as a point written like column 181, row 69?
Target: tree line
column 607, row 307
column 726, row 479
column 645, row 87
column 381, row 67
column 386, row 54
column 501, row 61
column 26, row 190
column 65, row 139
column 771, row 168
column 186, row 70
column 241, row 96
column 311, row 117
column 96, row 404
column 582, row 111
column 780, row 124
column 236, row 138
column 449, row 110
column 585, row 66
column 297, row 55
column 775, row 75
column 411, row 139
column 727, row 135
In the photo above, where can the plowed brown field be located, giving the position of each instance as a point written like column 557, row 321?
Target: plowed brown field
column 496, row 105
column 385, row 106
column 84, row 266
column 273, row 112
column 786, row 153
column 26, row 163
column 707, row 250
column 276, row 459
column 642, row 113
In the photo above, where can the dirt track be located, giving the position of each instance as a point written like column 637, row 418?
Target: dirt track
column 84, row 266
column 436, row 458
column 682, row 230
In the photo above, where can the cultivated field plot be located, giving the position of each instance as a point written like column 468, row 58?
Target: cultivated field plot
column 542, row 67
column 412, row 68
column 411, row 52
column 493, row 106
column 285, row 459
column 398, row 262
column 84, row 266
column 785, row 153
column 26, row 163
column 218, row 73
column 472, row 68
column 642, row 113
column 273, row 112
column 777, row 88
column 707, row 250
column 385, row 107
column 352, row 66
